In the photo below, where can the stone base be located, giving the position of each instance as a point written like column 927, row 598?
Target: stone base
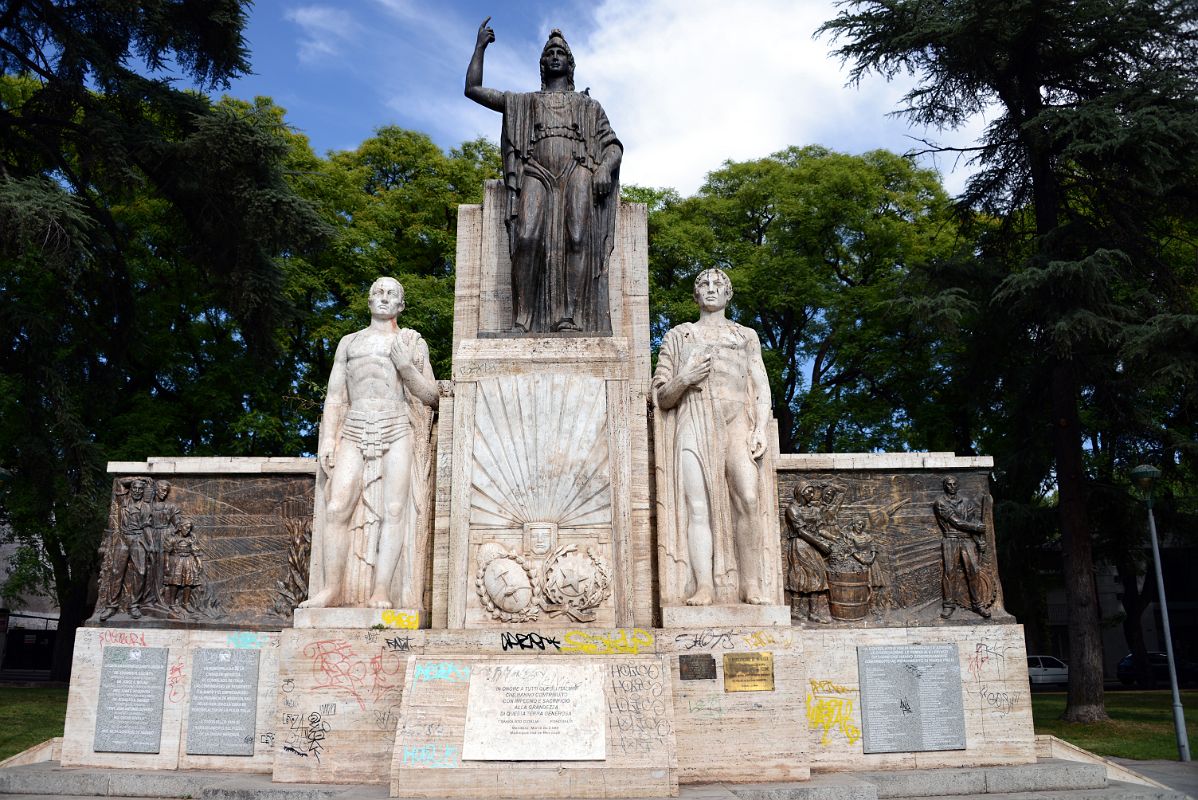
column 357, row 618
column 1066, row 780
column 719, row 616
column 78, row 746
column 636, row 724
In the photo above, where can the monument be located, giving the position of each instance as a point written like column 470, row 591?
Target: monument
column 466, row 584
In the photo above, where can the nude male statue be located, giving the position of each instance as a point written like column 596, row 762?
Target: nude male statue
column 379, row 375
column 713, row 400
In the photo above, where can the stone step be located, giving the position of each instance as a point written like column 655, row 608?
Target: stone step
column 1046, row 775
column 1116, row 790
column 1048, row 779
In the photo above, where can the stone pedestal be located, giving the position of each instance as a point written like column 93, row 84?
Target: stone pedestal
column 741, row 615
column 543, row 488
column 634, row 755
column 358, row 618
column 93, row 737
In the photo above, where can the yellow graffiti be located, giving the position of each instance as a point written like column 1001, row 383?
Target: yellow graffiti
column 759, row 639
column 832, row 713
column 400, row 619
column 827, row 687
column 621, row 642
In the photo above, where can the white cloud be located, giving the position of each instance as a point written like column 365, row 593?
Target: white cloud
column 325, row 31
column 687, row 84
column 690, row 83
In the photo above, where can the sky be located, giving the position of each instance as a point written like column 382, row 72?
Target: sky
column 686, row 84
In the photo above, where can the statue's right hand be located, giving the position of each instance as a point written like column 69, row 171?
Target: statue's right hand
column 327, row 462
column 485, row 35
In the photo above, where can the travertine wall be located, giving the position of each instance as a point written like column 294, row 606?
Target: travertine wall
column 84, row 693
column 994, row 686
column 810, row 720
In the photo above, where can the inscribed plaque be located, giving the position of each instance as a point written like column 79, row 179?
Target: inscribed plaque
column 911, row 698
column 748, row 672
column 224, row 702
column 535, row 712
column 696, row 667
column 129, row 709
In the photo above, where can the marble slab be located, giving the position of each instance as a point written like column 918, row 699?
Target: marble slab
column 223, row 703
column 358, row 618
column 911, row 698
column 129, row 711
column 84, row 702
column 740, row 615
column 640, row 758
column 535, row 712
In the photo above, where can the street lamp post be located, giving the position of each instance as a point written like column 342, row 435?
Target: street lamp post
column 1144, row 475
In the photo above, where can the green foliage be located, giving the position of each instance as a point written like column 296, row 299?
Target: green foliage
column 1090, row 165
column 145, row 235
column 392, row 204
column 820, row 247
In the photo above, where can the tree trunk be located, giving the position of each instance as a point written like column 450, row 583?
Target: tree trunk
column 1135, row 600
column 1085, row 702
column 73, row 609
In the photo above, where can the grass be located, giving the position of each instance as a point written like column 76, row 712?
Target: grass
column 1141, row 724
column 29, row 716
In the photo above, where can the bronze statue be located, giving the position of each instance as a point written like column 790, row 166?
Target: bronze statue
column 183, row 567
column 966, row 582
column 130, row 555
column 806, row 571
column 166, row 521
column 561, row 165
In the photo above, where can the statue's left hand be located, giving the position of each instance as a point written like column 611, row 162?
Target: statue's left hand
column 602, row 183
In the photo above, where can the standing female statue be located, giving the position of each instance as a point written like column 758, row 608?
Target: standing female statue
column 561, row 166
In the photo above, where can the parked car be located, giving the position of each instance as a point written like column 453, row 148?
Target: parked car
column 1187, row 671
column 1045, row 670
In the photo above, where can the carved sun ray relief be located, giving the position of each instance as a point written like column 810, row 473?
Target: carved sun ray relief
column 541, row 468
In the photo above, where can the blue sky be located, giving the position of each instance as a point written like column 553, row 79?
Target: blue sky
column 686, row 83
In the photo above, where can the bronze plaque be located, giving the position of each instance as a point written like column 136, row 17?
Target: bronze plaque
column 696, row 667
column 748, row 672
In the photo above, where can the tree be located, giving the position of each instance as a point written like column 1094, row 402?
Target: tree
column 819, row 245
column 1096, row 138
column 144, row 238
column 393, row 206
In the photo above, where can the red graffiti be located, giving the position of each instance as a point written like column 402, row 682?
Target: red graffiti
column 122, row 637
column 386, row 674
column 336, row 666
column 174, row 679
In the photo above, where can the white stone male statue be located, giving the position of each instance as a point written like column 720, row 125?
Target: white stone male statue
column 713, row 411
column 374, row 456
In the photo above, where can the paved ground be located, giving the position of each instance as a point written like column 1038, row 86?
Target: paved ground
column 1175, row 774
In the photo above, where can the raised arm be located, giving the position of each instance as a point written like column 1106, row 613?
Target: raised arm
column 491, row 98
